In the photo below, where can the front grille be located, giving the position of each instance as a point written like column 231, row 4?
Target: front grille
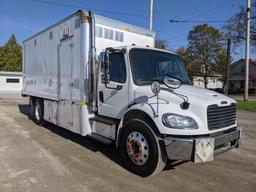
column 220, row 117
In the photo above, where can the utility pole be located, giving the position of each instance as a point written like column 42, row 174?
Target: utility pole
column 227, row 68
column 247, row 51
column 151, row 15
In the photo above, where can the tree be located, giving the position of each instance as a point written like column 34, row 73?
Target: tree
column 11, row 56
column 204, row 45
column 220, row 67
column 161, row 44
column 185, row 56
column 1, row 58
column 235, row 28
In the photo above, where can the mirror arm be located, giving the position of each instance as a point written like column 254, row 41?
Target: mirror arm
column 185, row 104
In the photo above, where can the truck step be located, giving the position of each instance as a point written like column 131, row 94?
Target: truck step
column 100, row 138
column 103, row 126
column 105, row 120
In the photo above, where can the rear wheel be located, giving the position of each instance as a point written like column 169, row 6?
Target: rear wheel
column 140, row 149
column 38, row 112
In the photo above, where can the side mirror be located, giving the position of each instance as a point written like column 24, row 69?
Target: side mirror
column 172, row 82
column 105, row 77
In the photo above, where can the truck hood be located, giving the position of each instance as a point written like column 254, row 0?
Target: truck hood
column 199, row 99
column 195, row 95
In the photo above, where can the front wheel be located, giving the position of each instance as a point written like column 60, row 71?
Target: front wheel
column 140, row 149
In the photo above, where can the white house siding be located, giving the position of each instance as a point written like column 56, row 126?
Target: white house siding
column 10, row 81
column 213, row 82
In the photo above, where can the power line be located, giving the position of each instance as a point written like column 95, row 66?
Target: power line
column 214, row 8
column 196, row 21
column 87, row 8
column 187, row 11
column 203, row 12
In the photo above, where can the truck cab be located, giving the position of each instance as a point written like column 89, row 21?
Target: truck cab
column 162, row 115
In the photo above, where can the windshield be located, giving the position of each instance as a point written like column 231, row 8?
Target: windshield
column 152, row 65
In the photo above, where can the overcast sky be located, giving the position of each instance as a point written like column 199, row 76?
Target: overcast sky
column 26, row 17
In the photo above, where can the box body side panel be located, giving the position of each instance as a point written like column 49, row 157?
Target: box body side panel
column 41, row 64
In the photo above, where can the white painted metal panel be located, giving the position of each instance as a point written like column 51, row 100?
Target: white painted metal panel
column 129, row 38
column 41, row 60
column 50, row 111
column 41, row 53
column 10, row 81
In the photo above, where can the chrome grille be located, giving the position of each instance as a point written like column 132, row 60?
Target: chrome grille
column 220, row 117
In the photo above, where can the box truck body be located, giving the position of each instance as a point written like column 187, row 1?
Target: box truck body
column 103, row 78
column 56, row 63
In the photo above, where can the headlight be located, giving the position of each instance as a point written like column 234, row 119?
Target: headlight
column 178, row 121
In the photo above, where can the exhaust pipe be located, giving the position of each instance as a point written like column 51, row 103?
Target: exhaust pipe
column 92, row 66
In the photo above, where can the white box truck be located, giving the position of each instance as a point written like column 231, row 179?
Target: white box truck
column 104, row 79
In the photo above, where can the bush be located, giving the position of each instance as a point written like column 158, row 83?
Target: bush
column 219, row 90
column 252, row 91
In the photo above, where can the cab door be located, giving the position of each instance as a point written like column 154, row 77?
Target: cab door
column 113, row 97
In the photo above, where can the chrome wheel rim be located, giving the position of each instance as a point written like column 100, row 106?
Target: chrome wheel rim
column 37, row 112
column 137, row 148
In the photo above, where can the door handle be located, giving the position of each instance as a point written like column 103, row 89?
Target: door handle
column 118, row 87
column 101, row 96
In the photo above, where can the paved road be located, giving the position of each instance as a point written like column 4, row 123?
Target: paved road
column 49, row 158
column 10, row 95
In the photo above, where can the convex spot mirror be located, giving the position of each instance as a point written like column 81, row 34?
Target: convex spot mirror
column 172, row 82
column 105, row 78
column 155, row 87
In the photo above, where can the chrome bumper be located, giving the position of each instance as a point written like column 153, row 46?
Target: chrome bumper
column 201, row 148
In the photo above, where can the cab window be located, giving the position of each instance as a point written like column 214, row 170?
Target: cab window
column 117, row 68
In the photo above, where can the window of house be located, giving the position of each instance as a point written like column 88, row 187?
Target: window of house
column 242, row 84
column 77, row 23
column 254, row 83
column 117, row 68
column 99, row 31
column 12, row 80
column 108, row 33
column 242, row 69
column 119, row 36
column 35, row 42
column 50, row 35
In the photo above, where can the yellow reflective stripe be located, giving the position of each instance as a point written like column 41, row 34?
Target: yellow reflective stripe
column 84, row 17
column 126, row 29
column 84, row 103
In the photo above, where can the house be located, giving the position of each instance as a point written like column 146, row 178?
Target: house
column 10, row 81
column 214, row 82
column 237, row 72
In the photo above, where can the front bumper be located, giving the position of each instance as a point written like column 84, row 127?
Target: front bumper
column 201, row 148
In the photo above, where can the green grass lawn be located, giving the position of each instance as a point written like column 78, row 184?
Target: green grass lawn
column 246, row 105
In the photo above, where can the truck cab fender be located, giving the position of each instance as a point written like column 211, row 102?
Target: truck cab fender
column 142, row 112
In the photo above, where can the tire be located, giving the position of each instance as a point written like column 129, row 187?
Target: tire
column 38, row 112
column 141, row 162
